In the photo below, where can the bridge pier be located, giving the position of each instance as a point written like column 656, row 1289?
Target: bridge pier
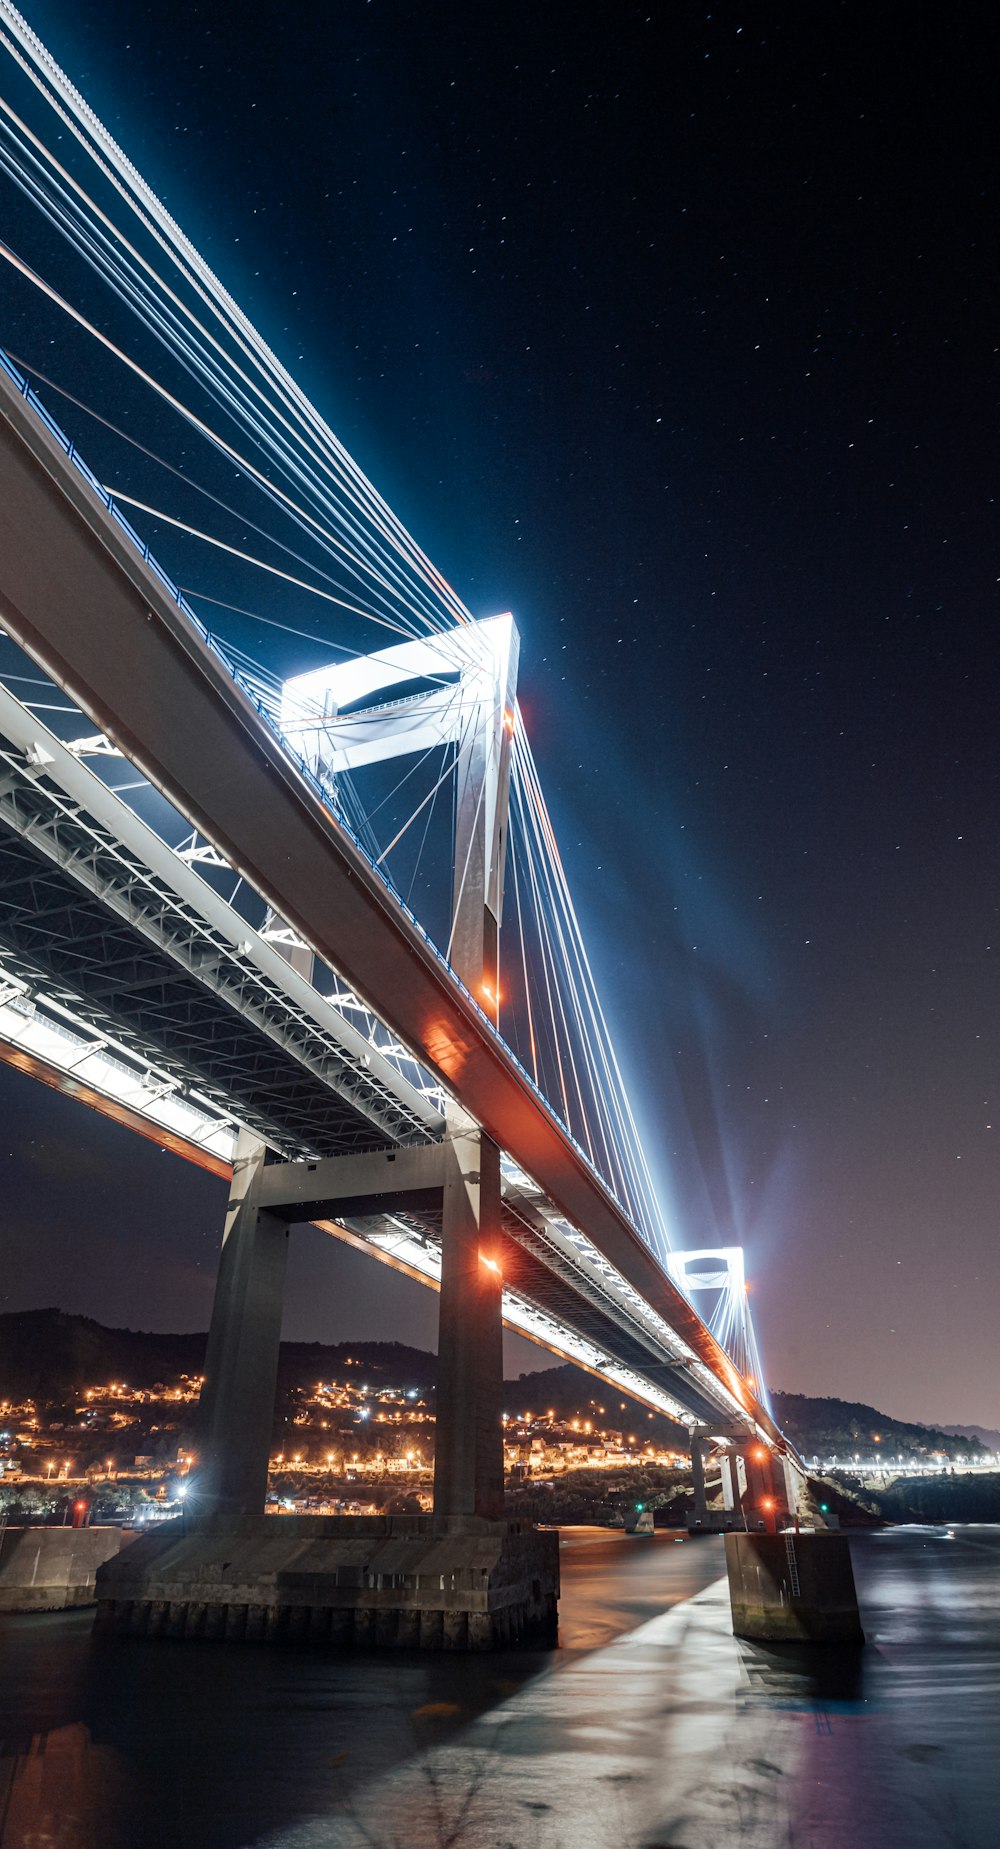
column 464, row 1578
column 236, row 1408
column 699, row 1518
column 793, row 1588
column 468, row 1444
column 754, row 1488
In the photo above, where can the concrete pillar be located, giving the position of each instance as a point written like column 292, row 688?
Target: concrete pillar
column 792, row 1483
column 468, row 1445
column 758, row 1503
column 700, row 1515
column 789, row 1588
column 236, row 1409
column 468, row 1442
column 754, row 1490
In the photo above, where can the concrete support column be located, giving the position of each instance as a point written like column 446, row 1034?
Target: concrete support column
column 730, row 1492
column 759, row 1501
column 754, row 1485
column 792, row 1485
column 468, row 1447
column 700, row 1515
column 236, row 1409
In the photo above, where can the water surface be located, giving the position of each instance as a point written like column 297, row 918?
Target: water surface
column 649, row 1726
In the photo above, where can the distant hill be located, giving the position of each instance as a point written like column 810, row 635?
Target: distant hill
column 48, row 1353
column 570, row 1390
column 839, row 1428
column 987, row 1434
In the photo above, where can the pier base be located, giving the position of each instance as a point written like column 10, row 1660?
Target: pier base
column 793, row 1588
column 377, row 1581
column 53, row 1569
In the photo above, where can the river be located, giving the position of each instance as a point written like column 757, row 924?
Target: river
column 649, row 1727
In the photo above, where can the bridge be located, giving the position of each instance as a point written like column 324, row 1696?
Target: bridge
column 215, row 950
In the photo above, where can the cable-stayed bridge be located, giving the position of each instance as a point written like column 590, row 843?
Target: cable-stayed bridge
column 207, row 861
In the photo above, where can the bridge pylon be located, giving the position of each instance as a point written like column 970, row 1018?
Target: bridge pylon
column 469, row 706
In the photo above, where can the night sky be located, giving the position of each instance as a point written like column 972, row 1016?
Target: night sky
column 675, row 333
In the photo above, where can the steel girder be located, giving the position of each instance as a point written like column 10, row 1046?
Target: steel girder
column 137, row 960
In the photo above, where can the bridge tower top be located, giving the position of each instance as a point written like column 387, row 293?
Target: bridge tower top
column 455, row 688
column 720, row 1269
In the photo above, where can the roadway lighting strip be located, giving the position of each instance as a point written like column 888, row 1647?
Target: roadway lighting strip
column 400, row 1242
column 36, row 1024
column 546, row 1237
column 615, row 1286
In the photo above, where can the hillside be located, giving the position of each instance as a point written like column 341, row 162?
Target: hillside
column 47, row 1353
column 828, row 1428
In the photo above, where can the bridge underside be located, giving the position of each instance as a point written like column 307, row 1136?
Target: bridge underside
column 155, row 1002
column 100, row 921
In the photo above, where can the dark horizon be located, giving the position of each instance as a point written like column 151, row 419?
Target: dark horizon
column 678, row 343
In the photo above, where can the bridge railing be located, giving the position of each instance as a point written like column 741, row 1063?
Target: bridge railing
column 305, row 770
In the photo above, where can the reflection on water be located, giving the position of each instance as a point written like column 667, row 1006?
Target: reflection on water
column 650, row 1726
column 802, row 1676
column 61, row 1789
